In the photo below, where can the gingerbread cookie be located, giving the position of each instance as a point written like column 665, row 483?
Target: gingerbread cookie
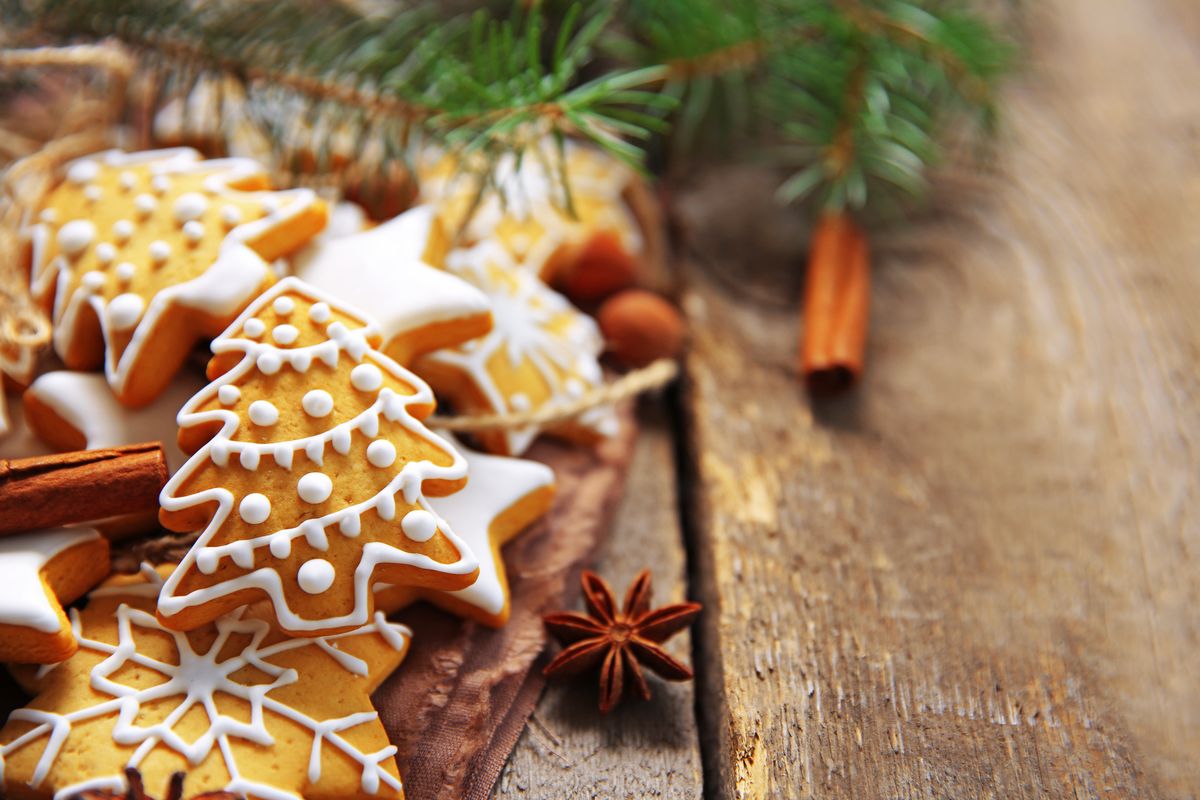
column 540, row 352
column 42, row 571
column 141, row 254
column 236, row 704
column 386, row 272
column 77, row 411
column 504, row 496
column 528, row 211
column 311, row 473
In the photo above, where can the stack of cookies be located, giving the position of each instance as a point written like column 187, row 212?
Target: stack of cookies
column 317, row 499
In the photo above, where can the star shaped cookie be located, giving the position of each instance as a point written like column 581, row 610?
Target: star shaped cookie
column 503, row 497
column 41, row 572
column 138, row 255
column 540, row 352
column 386, row 271
column 236, row 704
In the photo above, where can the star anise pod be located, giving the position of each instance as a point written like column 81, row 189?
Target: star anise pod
column 621, row 642
column 137, row 790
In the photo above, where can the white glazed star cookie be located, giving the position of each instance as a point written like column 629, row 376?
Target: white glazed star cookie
column 138, row 255
column 541, row 352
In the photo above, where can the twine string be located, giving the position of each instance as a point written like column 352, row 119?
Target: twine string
column 653, row 376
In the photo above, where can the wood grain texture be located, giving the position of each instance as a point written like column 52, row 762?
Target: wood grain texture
column 976, row 577
column 641, row 749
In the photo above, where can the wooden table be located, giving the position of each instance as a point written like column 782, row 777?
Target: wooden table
column 979, row 574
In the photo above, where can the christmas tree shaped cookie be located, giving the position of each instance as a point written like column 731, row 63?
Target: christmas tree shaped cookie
column 527, row 213
column 310, row 473
column 504, row 496
column 138, row 255
column 540, row 352
column 236, row 704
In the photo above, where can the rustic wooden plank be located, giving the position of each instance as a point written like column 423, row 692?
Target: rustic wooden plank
column 644, row 749
column 977, row 577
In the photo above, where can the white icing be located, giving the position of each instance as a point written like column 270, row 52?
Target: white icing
column 25, row 601
column 84, row 401
column 419, row 525
column 145, row 204
column 381, row 272
column 83, row 171
column 48, row 215
column 352, row 343
column 315, row 575
column 92, row 280
column 124, row 311
column 366, row 377
column 127, row 180
column 269, row 363
column 75, row 236
column 254, row 328
column 314, row 487
column 229, row 394
column 531, row 324
column 319, row 312
column 160, row 184
column 284, row 306
column 198, row 679
column 193, row 231
column 318, row 403
column 255, row 508
column 160, row 251
column 92, row 193
column 190, row 206
column 285, row 334
column 125, row 272
column 263, row 412
column 381, row 453
column 122, row 230
column 231, row 215
column 105, row 253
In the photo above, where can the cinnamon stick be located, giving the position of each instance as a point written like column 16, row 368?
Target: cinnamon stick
column 79, row 486
column 836, row 305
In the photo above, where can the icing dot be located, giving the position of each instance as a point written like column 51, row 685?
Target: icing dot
column 315, row 487
column 193, row 231
column 160, row 183
column 318, row 403
column 105, row 253
column 124, row 311
column 83, row 171
column 122, row 230
column 92, row 193
column 127, row 180
column 93, row 280
column 315, row 575
column 283, row 306
column 48, row 215
column 419, row 525
column 381, row 453
column 519, row 402
column 366, row 377
column 254, row 508
column 229, row 394
column 319, row 312
column 574, row 388
column 231, row 215
column 160, row 251
column 280, row 544
column 75, row 236
column 285, row 334
column 125, row 271
column 190, row 206
column 254, row 327
column 145, row 204
column 263, row 412
column 269, row 363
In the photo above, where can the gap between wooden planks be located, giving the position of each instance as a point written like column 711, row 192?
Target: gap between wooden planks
column 978, row 576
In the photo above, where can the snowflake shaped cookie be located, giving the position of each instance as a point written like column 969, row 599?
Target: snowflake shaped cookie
column 310, row 472
column 237, row 704
column 540, row 352
column 527, row 211
column 503, row 497
column 138, row 255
